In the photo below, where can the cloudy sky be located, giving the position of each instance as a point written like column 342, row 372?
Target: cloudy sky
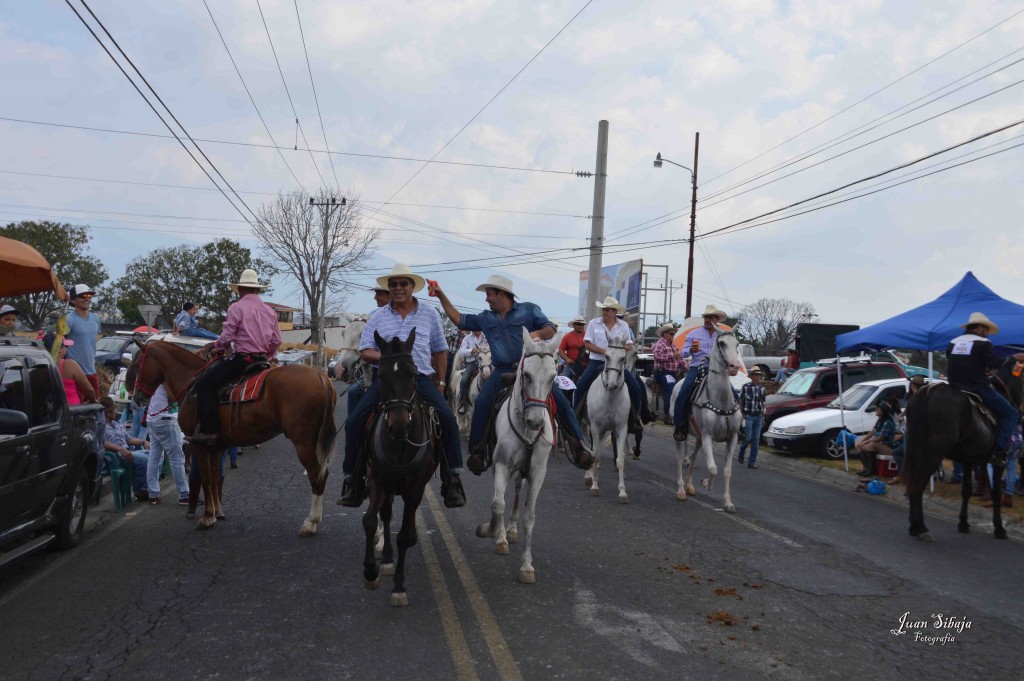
column 774, row 88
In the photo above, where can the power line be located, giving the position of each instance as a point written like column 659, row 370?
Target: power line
column 864, row 99
column 251, row 100
column 315, row 99
column 268, row 146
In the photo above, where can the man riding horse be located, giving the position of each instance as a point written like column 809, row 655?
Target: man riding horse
column 469, row 350
column 503, row 326
column 251, row 331
column 970, row 356
column 697, row 348
column 430, row 353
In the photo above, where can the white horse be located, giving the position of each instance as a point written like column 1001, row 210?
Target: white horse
column 483, row 372
column 525, row 434
column 349, row 360
column 715, row 417
column 608, row 414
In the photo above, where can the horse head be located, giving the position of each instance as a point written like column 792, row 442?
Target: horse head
column 484, row 363
column 613, row 373
column 536, row 377
column 143, row 374
column 397, row 374
column 348, row 355
column 726, row 354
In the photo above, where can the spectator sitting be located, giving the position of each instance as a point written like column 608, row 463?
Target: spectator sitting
column 881, row 440
column 77, row 386
column 115, row 439
column 8, row 319
column 187, row 324
column 788, row 366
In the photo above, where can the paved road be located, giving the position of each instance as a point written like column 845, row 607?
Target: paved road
column 806, row 581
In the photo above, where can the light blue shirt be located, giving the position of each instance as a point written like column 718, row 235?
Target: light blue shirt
column 185, row 321
column 389, row 324
column 83, row 332
column 707, row 341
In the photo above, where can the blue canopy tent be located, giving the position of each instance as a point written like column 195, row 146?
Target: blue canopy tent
column 932, row 325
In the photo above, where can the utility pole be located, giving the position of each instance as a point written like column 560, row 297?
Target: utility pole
column 326, row 210
column 597, row 220
column 693, row 229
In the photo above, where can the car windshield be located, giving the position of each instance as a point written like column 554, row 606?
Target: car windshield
column 854, row 398
column 798, row 385
column 109, row 344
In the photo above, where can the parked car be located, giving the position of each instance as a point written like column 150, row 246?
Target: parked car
column 815, row 387
column 110, row 350
column 910, row 369
column 814, row 431
column 49, row 453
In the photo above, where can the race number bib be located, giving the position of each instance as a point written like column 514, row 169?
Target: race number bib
column 963, row 347
column 670, row 379
column 565, row 383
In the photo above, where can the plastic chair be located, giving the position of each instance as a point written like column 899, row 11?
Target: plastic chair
column 120, row 480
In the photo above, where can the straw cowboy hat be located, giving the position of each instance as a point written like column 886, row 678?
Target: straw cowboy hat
column 668, row 326
column 712, row 310
column 381, row 289
column 755, row 370
column 247, row 280
column 402, row 270
column 610, row 302
column 980, row 318
column 578, row 319
column 499, row 282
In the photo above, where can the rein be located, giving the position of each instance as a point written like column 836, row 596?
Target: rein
column 411, row 405
column 606, row 369
column 707, row 404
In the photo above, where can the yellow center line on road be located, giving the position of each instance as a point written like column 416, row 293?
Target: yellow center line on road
column 500, row 653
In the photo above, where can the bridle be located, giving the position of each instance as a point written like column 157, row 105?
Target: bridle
column 406, row 404
column 527, row 402
column 606, row 369
column 148, row 393
column 707, row 404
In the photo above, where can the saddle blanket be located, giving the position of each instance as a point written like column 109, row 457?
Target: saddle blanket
column 248, row 389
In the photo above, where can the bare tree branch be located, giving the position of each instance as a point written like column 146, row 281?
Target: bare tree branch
column 771, row 323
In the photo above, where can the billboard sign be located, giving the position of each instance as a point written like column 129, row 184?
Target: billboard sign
column 620, row 281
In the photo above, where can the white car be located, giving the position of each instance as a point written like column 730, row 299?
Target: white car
column 814, row 431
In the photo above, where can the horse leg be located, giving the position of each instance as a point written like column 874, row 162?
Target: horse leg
column 539, row 466
column 619, row 438
column 208, row 472
column 639, row 437
column 917, row 526
column 316, row 473
column 406, row 540
column 371, row 573
column 595, row 437
column 965, row 498
column 680, row 484
column 512, row 531
column 730, row 451
column 997, row 502
column 386, row 553
column 496, row 528
column 709, row 455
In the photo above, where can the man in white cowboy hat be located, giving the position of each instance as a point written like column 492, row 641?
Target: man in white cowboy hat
column 595, row 338
column 696, row 348
column 503, row 326
column 572, row 347
column 430, row 353
column 969, row 357
column 667, row 361
column 8, row 319
column 381, row 295
column 469, row 350
column 251, row 331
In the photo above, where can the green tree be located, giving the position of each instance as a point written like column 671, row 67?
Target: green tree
column 65, row 247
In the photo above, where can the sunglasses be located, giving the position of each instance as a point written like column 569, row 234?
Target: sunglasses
column 402, row 283
column 87, row 296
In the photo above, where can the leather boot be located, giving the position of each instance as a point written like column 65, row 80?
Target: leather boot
column 635, row 427
column 454, row 495
column 645, row 414
column 581, row 456
column 680, row 433
column 477, row 461
column 998, row 457
column 353, row 491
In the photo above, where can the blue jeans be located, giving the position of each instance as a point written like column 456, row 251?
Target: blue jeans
column 140, row 470
column 232, row 453
column 1006, row 416
column 752, row 424
column 681, row 409
column 467, row 377
column 200, row 333
column 485, row 402
column 138, row 430
column 355, row 424
column 661, row 378
column 594, row 370
column 165, row 438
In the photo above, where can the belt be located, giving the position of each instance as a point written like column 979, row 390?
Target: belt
column 252, row 356
column 162, row 418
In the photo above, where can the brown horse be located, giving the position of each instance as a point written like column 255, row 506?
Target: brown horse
column 296, row 400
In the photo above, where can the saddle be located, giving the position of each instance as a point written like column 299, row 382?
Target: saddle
column 248, row 386
column 975, row 401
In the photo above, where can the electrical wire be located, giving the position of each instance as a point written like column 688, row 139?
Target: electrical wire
column 315, row 98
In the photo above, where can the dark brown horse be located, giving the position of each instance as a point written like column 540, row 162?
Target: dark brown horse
column 943, row 424
column 296, row 400
column 403, row 452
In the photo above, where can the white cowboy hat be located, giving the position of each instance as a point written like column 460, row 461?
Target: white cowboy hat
column 668, row 326
column 755, row 370
column 499, row 282
column 712, row 310
column 247, row 280
column 578, row 319
column 610, row 302
column 402, row 270
column 980, row 318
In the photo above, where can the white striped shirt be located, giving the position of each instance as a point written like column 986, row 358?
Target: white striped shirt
column 389, row 324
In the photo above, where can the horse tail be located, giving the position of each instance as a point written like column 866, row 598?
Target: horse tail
column 328, row 429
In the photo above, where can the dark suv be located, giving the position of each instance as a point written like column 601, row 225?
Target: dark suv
column 110, row 348
column 817, row 386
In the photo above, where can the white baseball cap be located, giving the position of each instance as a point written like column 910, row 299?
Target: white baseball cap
column 79, row 289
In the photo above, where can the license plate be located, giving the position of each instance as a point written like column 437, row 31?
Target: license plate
column 770, row 441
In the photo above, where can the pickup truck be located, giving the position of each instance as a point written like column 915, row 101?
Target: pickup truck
column 49, row 453
column 769, row 365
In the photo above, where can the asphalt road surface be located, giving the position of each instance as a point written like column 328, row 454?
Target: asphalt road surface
column 805, row 581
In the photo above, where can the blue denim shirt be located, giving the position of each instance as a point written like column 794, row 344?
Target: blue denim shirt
column 505, row 336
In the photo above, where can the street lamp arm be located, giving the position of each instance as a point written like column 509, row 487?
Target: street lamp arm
column 660, row 159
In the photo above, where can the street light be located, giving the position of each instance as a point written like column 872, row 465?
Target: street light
column 658, row 160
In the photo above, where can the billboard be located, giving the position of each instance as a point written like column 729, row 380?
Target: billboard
column 621, row 281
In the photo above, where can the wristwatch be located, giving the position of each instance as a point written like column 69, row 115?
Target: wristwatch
column 442, row 383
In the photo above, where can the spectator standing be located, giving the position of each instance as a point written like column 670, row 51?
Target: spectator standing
column 186, row 323
column 667, row 361
column 165, row 437
column 83, row 329
column 76, row 385
column 116, row 439
column 752, row 405
column 8, row 319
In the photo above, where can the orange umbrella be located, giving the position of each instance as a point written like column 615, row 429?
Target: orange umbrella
column 145, row 329
column 26, row 271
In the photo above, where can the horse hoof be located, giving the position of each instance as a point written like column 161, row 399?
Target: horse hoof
column 965, row 528
column 205, row 523
column 482, row 530
column 512, row 536
column 307, row 531
column 501, row 548
column 387, row 570
column 1000, row 533
column 527, row 577
column 730, row 508
column 925, row 537
column 372, row 586
column 681, row 496
column 400, row 600
column 588, row 482
column 595, row 492
column 623, row 499
column 690, row 489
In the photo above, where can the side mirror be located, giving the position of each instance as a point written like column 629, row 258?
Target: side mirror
column 13, row 422
column 126, row 358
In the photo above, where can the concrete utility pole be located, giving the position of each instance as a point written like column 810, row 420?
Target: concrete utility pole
column 693, row 229
column 597, row 221
column 326, row 210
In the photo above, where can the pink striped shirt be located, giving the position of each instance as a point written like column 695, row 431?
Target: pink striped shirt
column 251, row 326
